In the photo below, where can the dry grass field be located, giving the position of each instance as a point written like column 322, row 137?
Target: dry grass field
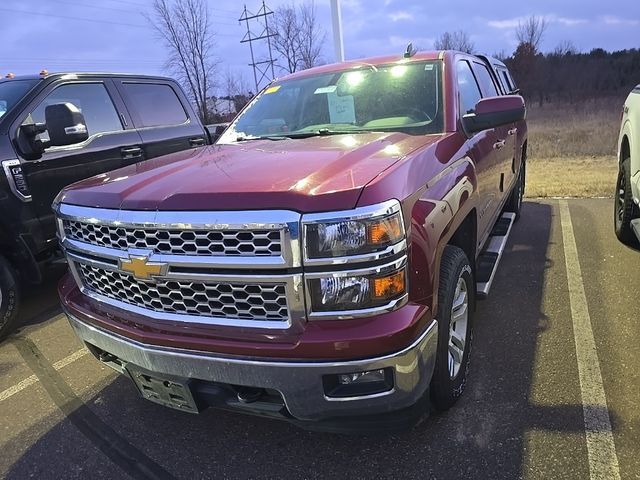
column 572, row 148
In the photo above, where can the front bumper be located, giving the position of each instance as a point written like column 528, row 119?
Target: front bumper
column 299, row 383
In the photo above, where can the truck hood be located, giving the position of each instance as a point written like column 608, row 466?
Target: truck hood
column 307, row 175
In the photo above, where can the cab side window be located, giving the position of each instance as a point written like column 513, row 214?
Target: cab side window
column 92, row 99
column 467, row 87
column 507, row 80
column 485, row 80
column 157, row 105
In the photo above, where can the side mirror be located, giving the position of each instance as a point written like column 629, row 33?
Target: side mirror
column 66, row 124
column 215, row 130
column 494, row 112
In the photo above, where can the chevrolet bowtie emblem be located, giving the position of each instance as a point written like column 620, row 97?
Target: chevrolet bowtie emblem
column 141, row 267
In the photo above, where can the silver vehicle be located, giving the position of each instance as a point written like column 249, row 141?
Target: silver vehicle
column 627, row 197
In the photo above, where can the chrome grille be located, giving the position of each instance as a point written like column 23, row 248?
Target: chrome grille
column 197, row 298
column 178, row 242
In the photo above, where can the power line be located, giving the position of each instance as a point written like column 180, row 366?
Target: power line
column 130, row 3
column 95, row 6
column 82, row 19
column 72, row 18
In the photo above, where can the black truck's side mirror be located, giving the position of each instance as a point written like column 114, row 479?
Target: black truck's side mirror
column 494, row 112
column 66, row 124
column 215, row 130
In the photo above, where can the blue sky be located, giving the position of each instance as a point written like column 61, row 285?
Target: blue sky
column 113, row 35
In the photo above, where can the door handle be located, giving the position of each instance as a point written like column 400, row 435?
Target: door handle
column 513, row 131
column 131, row 152
column 499, row 144
column 197, row 142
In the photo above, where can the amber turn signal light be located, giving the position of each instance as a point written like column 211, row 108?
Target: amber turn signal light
column 389, row 286
column 384, row 231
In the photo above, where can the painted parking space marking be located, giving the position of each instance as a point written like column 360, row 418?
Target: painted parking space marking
column 601, row 449
column 27, row 382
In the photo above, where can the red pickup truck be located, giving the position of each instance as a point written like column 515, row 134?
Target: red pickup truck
column 321, row 262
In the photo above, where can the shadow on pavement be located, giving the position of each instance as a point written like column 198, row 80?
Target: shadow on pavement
column 483, row 436
column 40, row 302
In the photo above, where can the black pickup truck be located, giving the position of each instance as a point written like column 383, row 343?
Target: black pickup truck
column 56, row 129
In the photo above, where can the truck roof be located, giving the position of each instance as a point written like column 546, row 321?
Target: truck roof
column 362, row 62
column 382, row 60
column 81, row 75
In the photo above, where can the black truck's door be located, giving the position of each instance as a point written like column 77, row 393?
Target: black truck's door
column 112, row 141
column 162, row 115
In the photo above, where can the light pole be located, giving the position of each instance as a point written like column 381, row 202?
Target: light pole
column 336, row 17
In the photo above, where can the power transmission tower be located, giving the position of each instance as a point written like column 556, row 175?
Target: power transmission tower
column 261, row 68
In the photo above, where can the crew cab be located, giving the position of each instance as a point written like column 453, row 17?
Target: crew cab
column 626, row 215
column 321, row 262
column 58, row 128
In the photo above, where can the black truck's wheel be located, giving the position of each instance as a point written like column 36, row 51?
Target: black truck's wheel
column 9, row 298
column 624, row 208
column 514, row 203
column 456, row 296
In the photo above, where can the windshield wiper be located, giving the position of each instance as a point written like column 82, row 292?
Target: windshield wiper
column 245, row 138
column 322, row 132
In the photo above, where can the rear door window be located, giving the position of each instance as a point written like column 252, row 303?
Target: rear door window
column 155, row 104
column 485, row 80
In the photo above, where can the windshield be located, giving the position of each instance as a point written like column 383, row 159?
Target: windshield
column 12, row 91
column 403, row 97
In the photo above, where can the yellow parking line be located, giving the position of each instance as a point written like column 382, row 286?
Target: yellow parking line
column 27, row 382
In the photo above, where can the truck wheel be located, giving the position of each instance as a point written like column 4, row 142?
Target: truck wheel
column 9, row 298
column 456, row 297
column 625, row 209
column 514, row 204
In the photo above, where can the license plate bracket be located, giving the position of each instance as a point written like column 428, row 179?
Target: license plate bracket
column 166, row 390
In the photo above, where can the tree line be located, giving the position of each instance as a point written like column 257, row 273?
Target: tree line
column 570, row 76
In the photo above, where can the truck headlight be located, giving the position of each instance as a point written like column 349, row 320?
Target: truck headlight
column 365, row 230
column 346, row 291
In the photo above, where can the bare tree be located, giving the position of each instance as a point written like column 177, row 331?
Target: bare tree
column 566, row 47
column 458, row 40
column 185, row 27
column 501, row 55
column 313, row 36
column 532, row 31
column 236, row 89
column 299, row 36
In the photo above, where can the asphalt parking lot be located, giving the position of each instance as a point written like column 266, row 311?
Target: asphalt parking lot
column 541, row 401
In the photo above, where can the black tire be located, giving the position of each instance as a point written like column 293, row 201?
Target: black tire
column 9, row 298
column 624, row 209
column 448, row 384
column 514, row 204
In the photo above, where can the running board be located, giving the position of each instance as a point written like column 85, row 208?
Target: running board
column 635, row 226
column 489, row 259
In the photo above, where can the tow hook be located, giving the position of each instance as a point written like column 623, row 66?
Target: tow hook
column 248, row 394
column 107, row 357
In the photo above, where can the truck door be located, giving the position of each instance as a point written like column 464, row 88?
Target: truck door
column 505, row 145
column 162, row 116
column 108, row 141
column 482, row 150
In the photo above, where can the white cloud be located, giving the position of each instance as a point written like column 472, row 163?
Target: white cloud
column 613, row 20
column 504, row 24
column 401, row 15
column 511, row 23
column 351, row 4
column 400, row 42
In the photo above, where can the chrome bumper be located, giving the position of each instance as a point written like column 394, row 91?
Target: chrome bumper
column 299, row 383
